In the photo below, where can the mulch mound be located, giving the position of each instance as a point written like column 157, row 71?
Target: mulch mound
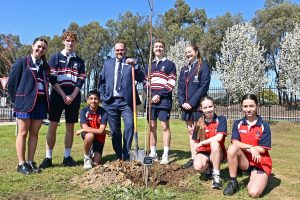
column 132, row 174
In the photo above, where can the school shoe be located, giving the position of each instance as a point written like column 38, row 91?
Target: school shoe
column 216, row 182
column 87, row 163
column 24, row 168
column 47, row 162
column 206, row 175
column 154, row 157
column 164, row 160
column 188, row 164
column 231, row 188
column 33, row 166
column 68, row 162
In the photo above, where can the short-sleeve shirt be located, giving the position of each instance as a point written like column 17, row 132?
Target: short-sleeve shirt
column 94, row 120
column 217, row 126
column 258, row 134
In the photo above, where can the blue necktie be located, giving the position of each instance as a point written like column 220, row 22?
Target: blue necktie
column 118, row 83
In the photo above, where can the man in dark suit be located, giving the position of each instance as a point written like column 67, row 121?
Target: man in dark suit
column 115, row 86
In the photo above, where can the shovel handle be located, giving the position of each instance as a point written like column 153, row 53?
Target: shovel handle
column 134, row 99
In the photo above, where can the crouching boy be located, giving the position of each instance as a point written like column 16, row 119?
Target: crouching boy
column 93, row 119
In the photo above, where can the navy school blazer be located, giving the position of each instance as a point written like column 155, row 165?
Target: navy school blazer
column 23, row 86
column 192, row 86
column 106, row 82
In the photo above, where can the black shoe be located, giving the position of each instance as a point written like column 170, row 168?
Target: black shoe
column 34, row 168
column 68, row 162
column 24, row 168
column 47, row 162
column 188, row 164
column 207, row 175
column 216, row 182
column 231, row 188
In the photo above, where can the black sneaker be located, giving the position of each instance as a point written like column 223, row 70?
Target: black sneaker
column 188, row 164
column 34, row 168
column 207, row 175
column 231, row 188
column 47, row 162
column 24, row 168
column 68, row 162
column 216, row 182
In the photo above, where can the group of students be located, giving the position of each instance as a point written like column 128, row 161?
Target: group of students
column 28, row 88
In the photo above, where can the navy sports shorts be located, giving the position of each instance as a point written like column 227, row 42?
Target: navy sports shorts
column 97, row 146
column 57, row 105
column 160, row 113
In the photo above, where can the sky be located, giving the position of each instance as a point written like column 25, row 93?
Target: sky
column 32, row 18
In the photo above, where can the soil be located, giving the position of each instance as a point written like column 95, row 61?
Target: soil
column 131, row 174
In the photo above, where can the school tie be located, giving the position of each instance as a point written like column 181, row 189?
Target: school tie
column 118, row 83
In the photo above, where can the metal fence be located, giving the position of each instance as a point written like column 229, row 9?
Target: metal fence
column 274, row 105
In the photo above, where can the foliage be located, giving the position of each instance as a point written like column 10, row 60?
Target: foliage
column 241, row 67
column 177, row 55
column 267, row 96
column 212, row 38
column 133, row 30
column 288, row 61
column 272, row 23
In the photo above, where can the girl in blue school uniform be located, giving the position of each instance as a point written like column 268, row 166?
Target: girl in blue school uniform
column 193, row 84
column 28, row 89
column 209, row 136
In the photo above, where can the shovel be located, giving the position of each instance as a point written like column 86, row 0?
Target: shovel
column 135, row 154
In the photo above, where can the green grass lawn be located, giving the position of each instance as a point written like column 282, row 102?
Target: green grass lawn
column 54, row 183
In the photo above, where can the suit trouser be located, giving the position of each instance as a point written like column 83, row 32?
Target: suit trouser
column 116, row 109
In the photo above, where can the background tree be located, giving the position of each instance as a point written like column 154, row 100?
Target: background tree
column 210, row 44
column 288, row 61
column 133, row 30
column 272, row 23
column 241, row 66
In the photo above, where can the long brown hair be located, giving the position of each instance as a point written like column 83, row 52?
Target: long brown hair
column 196, row 49
column 43, row 57
column 199, row 129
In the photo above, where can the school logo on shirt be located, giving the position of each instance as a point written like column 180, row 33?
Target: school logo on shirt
column 196, row 79
column 242, row 131
column 257, row 134
column 162, row 69
column 75, row 66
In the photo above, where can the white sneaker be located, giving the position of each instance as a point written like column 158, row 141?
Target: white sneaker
column 164, row 160
column 87, row 163
column 153, row 156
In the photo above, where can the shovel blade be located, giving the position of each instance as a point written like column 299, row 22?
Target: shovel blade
column 138, row 155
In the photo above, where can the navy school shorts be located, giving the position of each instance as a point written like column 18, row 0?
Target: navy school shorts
column 97, row 146
column 160, row 113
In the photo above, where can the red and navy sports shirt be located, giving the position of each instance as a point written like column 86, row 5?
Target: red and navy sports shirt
column 94, row 120
column 256, row 135
column 217, row 126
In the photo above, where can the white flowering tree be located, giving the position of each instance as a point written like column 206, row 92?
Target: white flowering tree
column 288, row 61
column 176, row 54
column 241, row 66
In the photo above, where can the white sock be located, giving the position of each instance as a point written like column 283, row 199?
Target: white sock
column 86, row 156
column 49, row 153
column 216, row 172
column 166, row 150
column 67, row 152
column 153, row 150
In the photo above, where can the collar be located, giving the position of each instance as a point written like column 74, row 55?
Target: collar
column 91, row 111
column 259, row 121
column 163, row 59
column 73, row 54
column 123, row 59
column 213, row 120
column 34, row 61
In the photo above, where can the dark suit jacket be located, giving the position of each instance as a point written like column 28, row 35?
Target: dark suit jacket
column 106, row 82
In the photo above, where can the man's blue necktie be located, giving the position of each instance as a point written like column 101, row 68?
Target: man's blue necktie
column 119, row 74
